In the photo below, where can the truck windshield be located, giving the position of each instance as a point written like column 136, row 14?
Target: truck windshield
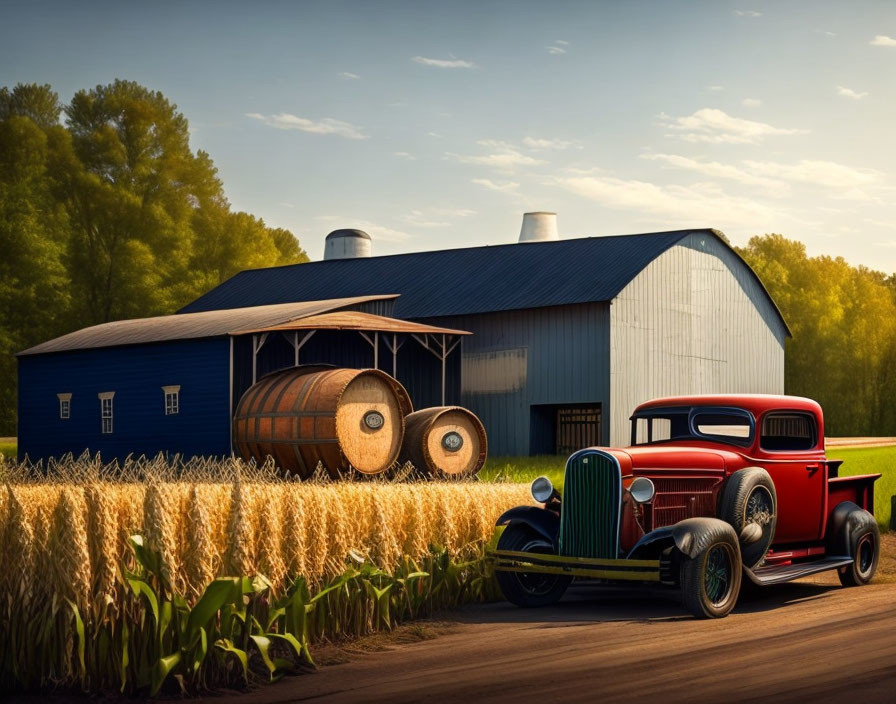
column 733, row 426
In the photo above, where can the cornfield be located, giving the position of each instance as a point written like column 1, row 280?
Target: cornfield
column 103, row 567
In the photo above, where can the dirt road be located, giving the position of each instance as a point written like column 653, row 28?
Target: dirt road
column 809, row 641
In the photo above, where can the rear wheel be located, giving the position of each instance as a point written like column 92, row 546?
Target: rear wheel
column 529, row 589
column 710, row 581
column 866, row 550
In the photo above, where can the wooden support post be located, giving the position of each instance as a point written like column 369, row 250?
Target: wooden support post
column 444, row 355
column 297, row 344
column 257, row 343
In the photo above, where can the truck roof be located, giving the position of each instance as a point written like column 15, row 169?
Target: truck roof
column 756, row 404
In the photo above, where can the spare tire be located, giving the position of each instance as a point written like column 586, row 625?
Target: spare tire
column 750, row 505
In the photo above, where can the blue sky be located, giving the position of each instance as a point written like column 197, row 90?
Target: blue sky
column 434, row 125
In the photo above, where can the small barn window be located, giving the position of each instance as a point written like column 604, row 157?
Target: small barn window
column 106, row 411
column 65, row 405
column 172, row 400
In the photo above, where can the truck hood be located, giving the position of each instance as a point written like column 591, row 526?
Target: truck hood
column 659, row 458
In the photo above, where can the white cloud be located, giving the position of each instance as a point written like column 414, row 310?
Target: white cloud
column 847, row 182
column 718, row 127
column 699, row 205
column 506, row 187
column 751, row 102
column 826, row 32
column 453, row 212
column 506, row 157
column 405, row 155
column 819, row 173
column 555, row 50
column 286, row 205
column 540, row 143
column 418, row 218
column 715, row 89
column 883, row 40
column 327, row 125
column 850, row 93
column 891, row 224
column 562, row 41
column 349, row 76
column 375, row 230
column 444, row 63
column 435, row 134
column 747, row 13
column 717, row 170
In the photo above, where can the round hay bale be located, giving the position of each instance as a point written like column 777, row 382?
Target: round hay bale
column 446, row 441
column 342, row 418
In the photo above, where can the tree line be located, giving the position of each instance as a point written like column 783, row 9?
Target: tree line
column 843, row 320
column 107, row 213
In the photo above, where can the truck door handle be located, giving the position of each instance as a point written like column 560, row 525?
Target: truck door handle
column 812, row 468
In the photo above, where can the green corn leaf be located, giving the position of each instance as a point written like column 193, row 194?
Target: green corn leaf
column 228, row 647
column 143, row 589
column 161, row 670
column 200, row 651
column 263, row 644
column 79, row 630
column 300, row 649
column 165, row 613
column 225, row 590
column 125, row 654
column 273, row 615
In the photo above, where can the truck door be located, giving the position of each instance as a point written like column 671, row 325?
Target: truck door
column 796, row 465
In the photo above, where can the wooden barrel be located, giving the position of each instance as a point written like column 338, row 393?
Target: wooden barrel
column 342, row 418
column 446, row 441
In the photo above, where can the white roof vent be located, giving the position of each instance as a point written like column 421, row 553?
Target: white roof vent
column 539, row 227
column 347, row 244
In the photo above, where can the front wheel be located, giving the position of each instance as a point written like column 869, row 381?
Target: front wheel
column 710, row 581
column 529, row 589
column 865, row 550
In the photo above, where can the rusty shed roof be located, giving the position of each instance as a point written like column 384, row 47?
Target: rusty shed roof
column 353, row 320
column 194, row 325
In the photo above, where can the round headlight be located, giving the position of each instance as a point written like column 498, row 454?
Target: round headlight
column 542, row 490
column 642, row 490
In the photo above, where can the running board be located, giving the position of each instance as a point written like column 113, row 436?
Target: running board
column 777, row 574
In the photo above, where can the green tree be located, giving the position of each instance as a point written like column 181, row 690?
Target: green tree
column 33, row 232
column 843, row 320
column 109, row 216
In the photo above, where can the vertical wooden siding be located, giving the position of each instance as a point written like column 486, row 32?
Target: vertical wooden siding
column 693, row 321
column 136, row 374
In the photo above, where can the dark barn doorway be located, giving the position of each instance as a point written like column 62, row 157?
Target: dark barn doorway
column 561, row 429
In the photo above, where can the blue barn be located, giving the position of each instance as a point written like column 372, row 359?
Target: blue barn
column 567, row 337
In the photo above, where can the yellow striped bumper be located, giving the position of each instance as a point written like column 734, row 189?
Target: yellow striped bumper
column 593, row 568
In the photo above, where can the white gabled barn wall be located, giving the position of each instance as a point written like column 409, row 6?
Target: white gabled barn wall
column 694, row 321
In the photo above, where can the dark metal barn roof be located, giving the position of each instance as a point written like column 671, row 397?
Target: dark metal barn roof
column 461, row 281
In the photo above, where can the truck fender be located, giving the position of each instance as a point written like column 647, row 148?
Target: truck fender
column 545, row 523
column 847, row 521
column 690, row 537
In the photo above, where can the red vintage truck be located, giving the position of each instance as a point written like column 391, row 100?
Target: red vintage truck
column 712, row 490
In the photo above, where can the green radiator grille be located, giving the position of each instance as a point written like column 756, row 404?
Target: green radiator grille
column 589, row 517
